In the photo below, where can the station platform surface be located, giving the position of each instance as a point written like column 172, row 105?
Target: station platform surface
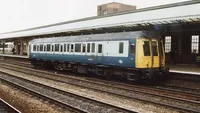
column 185, row 69
column 17, row 56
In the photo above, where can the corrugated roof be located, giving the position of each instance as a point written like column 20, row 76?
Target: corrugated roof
column 182, row 12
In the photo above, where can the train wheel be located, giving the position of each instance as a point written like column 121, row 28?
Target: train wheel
column 132, row 77
column 108, row 75
column 74, row 69
column 58, row 66
column 151, row 77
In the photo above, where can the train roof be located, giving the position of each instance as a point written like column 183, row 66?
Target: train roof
column 97, row 37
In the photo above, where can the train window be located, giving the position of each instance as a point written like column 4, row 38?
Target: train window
column 61, row 48
column 34, row 48
column 52, row 48
column 38, row 48
column 155, row 48
column 41, row 47
column 83, row 48
column 48, row 47
column 88, row 47
column 93, row 47
column 121, row 47
column 68, row 47
column 132, row 48
column 72, row 48
column 77, row 47
column 65, row 47
column 146, row 48
column 45, row 47
column 56, row 47
column 99, row 48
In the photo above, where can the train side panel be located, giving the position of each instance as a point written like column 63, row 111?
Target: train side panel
column 108, row 55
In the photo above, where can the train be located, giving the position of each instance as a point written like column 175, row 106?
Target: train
column 134, row 55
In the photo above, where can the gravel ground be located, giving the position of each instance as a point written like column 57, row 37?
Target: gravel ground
column 134, row 105
column 25, row 102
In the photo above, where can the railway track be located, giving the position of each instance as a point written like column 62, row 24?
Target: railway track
column 7, row 108
column 172, row 76
column 182, row 100
column 75, row 103
column 188, row 77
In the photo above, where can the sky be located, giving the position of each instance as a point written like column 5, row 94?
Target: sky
column 23, row 14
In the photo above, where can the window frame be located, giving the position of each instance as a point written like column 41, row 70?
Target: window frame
column 168, row 44
column 145, row 52
column 121, row 47
column 34, row 47
column 100, row 49
column 195, row 44
column 93, row 47
column 49, row 49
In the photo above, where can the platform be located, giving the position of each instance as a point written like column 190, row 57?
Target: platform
column 16, row 56
column 185, row 69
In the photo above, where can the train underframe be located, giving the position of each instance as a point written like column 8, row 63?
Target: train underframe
column 129, row 74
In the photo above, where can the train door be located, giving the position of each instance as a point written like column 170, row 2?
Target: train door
column 155, row 53
column 147, row 54
column 143, row 53
column 99, row 53
column 93, row 58
column 132, row 52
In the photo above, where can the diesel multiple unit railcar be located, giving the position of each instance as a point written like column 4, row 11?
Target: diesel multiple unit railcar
column 131, row 55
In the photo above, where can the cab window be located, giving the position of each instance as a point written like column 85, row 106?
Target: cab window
column 146, row 48
column 154, row 48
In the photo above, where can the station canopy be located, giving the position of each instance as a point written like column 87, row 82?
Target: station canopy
column 183, row 12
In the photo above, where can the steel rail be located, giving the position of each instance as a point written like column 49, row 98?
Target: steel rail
column 140, row 100
column 106, row 105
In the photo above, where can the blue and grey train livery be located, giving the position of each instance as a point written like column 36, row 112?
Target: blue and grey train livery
column 133, row 55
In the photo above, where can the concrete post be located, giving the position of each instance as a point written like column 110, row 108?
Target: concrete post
column 17, row 48
column 21, row 48
column 3, row 48
column 3, row 43
column 27, row 47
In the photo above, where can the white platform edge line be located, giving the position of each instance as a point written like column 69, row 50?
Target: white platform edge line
column 184, row 72
column 18, row 56
column 10, row 105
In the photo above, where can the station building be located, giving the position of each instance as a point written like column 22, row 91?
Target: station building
column 177, row 23
column 113, row 7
